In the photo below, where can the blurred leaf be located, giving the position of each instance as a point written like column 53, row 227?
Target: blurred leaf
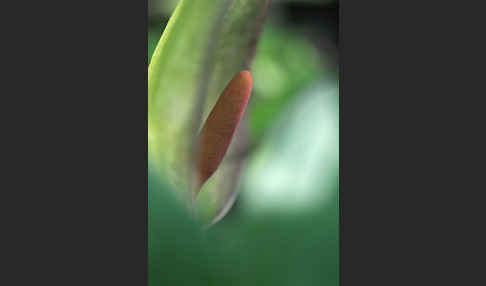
column 160, row 8
column 299, row 159
column 281, row 249
column 278, row 249
column 175, row 245
column 153, row 38
column 203, row 46
column 285, row 64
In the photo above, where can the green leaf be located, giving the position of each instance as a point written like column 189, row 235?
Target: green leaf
column 204, row 44
column 175, row 244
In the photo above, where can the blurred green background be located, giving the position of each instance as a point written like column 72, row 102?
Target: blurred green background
column 284, row 226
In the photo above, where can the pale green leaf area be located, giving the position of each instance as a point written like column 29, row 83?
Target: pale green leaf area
column 295, row 169
column 203, row 46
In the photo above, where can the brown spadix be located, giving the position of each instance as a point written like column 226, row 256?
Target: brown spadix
column 220, row 126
